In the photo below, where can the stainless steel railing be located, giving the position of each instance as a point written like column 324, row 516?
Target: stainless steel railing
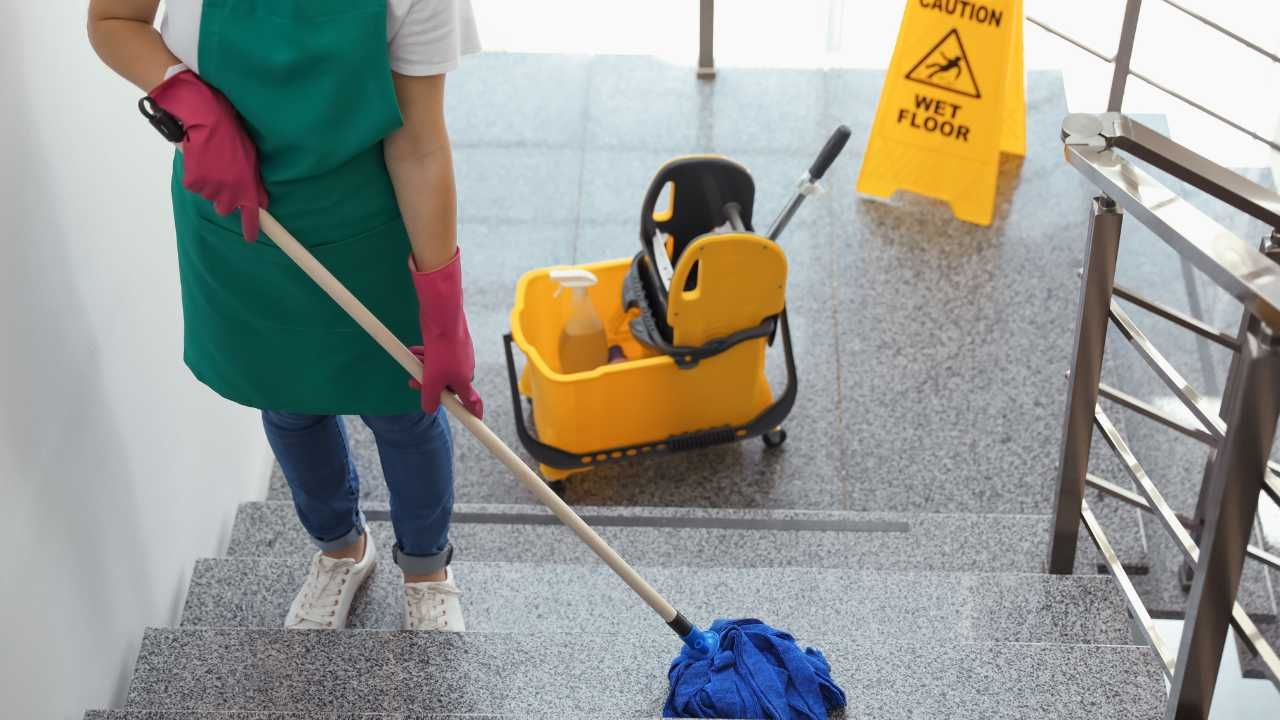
column 1240, row 433
column 1121, row 59
column 1215, row 540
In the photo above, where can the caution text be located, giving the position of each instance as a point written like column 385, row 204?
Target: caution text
column 966, row 9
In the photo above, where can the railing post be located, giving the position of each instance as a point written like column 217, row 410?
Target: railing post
column 1271, row 248
column 1231, row 506
column 1124, row 53
column 706, row 38
column 1092, row 319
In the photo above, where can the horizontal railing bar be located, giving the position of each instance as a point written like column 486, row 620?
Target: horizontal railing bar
column 1270, row 483
column 1205, row 109
column 1146, row 626
column 1246, row 630
column 1264, row 557
column 1177, row 318
column 1168, row 374
column 1123, row 494
column 1128, row 496
column 1235, row 266
column 1229, row 33
column 1212, row 428
column 1052, row 31
column 1210, row 423
column 1149, row 411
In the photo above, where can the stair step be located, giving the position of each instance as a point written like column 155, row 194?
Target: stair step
column 250, row 715
column 507, row 597
column 1122, row 522
column 613, row 675
column 682, row 537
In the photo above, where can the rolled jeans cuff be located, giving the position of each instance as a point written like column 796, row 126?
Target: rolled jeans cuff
column 422, row 564
column 346, row 540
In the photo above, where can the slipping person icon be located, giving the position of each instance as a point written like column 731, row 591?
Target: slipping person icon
column 952, row 63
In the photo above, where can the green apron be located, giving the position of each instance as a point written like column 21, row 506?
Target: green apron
column 312, row 80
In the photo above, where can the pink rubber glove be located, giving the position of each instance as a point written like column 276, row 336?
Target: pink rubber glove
column 448, row 359
column 220, row 162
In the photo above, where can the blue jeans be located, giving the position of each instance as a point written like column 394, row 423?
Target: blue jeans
column 416, row 451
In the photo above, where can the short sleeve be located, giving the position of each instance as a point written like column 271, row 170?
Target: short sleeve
column 431, row 36
column 180, row 29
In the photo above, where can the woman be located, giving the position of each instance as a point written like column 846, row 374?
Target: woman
column 332, row 112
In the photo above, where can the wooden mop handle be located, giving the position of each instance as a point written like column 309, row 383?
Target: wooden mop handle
column 389, row 342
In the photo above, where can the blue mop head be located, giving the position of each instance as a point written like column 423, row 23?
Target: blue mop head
column 751, row 670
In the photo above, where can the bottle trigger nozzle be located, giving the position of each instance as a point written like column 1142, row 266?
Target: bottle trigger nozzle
column 573, row 278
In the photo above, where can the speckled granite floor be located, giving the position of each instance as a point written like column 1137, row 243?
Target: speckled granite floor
column 931, row 359
column 510, row 597
column 237, row 715
column 978, row 321
column 604, row 674
column 886, row 541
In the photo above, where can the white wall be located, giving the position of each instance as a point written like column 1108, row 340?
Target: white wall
column 117, row 469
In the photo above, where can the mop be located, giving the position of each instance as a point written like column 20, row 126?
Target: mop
column 736, row 669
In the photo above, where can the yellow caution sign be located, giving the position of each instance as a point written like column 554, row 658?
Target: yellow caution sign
column 953, row 100
column 1013, row 130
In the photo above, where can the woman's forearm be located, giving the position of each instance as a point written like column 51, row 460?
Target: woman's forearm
column 427, row 196
column 421, row 167
column 122, row 34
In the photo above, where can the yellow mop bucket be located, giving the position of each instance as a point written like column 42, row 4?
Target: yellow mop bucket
column 690, row 338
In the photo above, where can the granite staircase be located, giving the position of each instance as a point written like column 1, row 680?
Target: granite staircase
column 921, row 615
column 924, row 584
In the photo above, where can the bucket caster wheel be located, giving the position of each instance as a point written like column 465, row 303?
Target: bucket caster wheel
column 558, row 487
column 774, row 438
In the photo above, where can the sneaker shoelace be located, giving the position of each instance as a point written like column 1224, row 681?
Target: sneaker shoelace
column 428, row 606
column 322, row 592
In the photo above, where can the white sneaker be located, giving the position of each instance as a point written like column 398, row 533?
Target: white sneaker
column 434, row 605
column 324, row 601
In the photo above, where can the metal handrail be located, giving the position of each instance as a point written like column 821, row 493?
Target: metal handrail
column 1221, row 29
column 1169, row 375
column 1241, row 438
column 1149, row 411
column 1245, row 627
column 1123, row 69
column 1239, row 471
column 706, row 38
column 1183, row 320
column 1146, row 626
column 1146, row 144
column 1121, row 59
column 1064, row 36
column 1131, row 498
column 1234, row 265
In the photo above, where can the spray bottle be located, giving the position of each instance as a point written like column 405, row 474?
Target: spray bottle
column 583, row 342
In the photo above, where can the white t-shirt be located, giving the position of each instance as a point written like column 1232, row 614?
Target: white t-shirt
column 424, row 37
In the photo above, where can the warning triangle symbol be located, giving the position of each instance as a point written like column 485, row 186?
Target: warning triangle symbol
column 946, row 66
